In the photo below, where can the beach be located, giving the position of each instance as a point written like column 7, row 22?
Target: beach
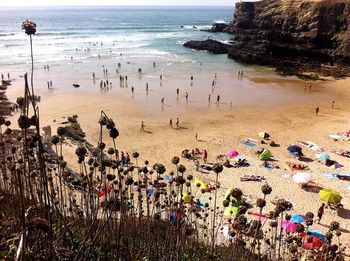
column 222, row 128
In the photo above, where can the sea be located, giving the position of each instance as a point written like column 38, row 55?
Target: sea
column 85, row 34
column 112, row 41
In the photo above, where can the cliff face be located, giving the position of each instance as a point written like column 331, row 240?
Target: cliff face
column 294, row 35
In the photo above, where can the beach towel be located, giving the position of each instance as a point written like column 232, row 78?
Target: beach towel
column 339, row 136
column 330, row 175
column 249, row 144
column 311, row 145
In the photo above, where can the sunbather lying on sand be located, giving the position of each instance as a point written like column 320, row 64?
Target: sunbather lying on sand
column 202, row 167
column 343, row 153
column 296, row 166
column 252, row 178
column 270, row 165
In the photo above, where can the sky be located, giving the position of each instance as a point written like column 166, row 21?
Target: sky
column 118, row 2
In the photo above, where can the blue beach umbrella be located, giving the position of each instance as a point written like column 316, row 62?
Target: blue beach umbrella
column 323, row 156
column 294, row 149
column 297, row 219
column 316, row 233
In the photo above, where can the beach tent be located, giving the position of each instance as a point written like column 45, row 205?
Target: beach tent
column 330, row 196
column 264, row 135
column 265, row 155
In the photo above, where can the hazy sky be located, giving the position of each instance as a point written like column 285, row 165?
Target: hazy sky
column 117, row 2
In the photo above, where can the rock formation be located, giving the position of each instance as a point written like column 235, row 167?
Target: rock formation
column 294, row 36
column 209, row 45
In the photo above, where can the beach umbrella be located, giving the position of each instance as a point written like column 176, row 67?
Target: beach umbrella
column 323, row 156
column 297, row 219
column 230, row 211
column 200, row 183
column 302, row 178
column 288, row 226
column 263, row 135
column 311, row 242
column 232, row 153
column 330, row 196
column 103, row 192
column 316, row 233
column 265, row 155
column 294, row 149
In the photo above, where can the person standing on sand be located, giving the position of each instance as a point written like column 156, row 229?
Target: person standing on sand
column 161, row 77
column 51, row 84
column 333, row 104
column 218, row 98
column 2, row 76
column 171, row 123
column 191, row 78
column 177, row 91
column 310, row 87
column 146, row 86
column 196, row 136
column 48, row 85
column 205, row 156
column 162, row 100
column 154, row 64
column 177, row 123
column 209, row 98
column 142, row 127
column 213, row 84
column 93, row 75
column 186, row 97
column 8, row 76
column 320, row 212
column 132, row 89
column 317, row 110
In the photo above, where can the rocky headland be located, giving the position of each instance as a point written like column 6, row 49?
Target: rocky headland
column 294, row 36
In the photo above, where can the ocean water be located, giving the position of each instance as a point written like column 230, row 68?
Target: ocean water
column 86, row 33
column 76, row 42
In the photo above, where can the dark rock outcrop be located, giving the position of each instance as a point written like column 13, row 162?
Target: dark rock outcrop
column 218, row 28
column 209, row 45
column 294, row 35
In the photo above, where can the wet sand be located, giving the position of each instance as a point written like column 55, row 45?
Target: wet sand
column 288, row 116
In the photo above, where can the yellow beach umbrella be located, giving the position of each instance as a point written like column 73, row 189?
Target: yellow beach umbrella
column 200, row 183
column 330, row 196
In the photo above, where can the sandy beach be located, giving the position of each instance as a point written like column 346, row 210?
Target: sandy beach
column 222, row 128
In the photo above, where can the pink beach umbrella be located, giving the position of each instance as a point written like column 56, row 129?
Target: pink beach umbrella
column 232, row 153
column 288, row 226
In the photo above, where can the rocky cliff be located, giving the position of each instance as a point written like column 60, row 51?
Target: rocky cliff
column 293, row 35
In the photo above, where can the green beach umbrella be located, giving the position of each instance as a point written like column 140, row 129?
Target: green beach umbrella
column 330, row 196
column 265, row 155
column 230, row 211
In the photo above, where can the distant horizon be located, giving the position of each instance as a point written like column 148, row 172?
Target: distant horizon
column 119, row 3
